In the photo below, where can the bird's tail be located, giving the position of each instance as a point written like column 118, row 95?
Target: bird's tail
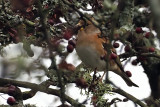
column 118, row 69
column 127, row 80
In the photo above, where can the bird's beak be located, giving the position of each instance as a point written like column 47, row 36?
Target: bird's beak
column 79, row 26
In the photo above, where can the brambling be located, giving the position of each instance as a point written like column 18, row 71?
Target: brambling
column 90, row 49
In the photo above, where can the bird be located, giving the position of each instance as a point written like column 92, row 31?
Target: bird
column 90, row 49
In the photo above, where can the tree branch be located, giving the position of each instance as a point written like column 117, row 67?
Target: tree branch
column 130, row 97
column 126, row 55
column 41, row 88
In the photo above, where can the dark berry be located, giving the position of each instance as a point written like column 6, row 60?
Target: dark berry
column 147, row 35
column 11, row 101
column 70, row 48
column 81, row 82
column 128, row 73
column 67, row 34
column 139, row 30
column 113, row 56
column 116, row 45
column 134, row 62
column 151, row 49
column 72, row 42
column 127, row 48
column 11, row 90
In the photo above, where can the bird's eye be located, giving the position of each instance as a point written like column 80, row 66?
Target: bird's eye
column 82, row 28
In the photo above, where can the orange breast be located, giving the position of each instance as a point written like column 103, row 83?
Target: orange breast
column 90, row 49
